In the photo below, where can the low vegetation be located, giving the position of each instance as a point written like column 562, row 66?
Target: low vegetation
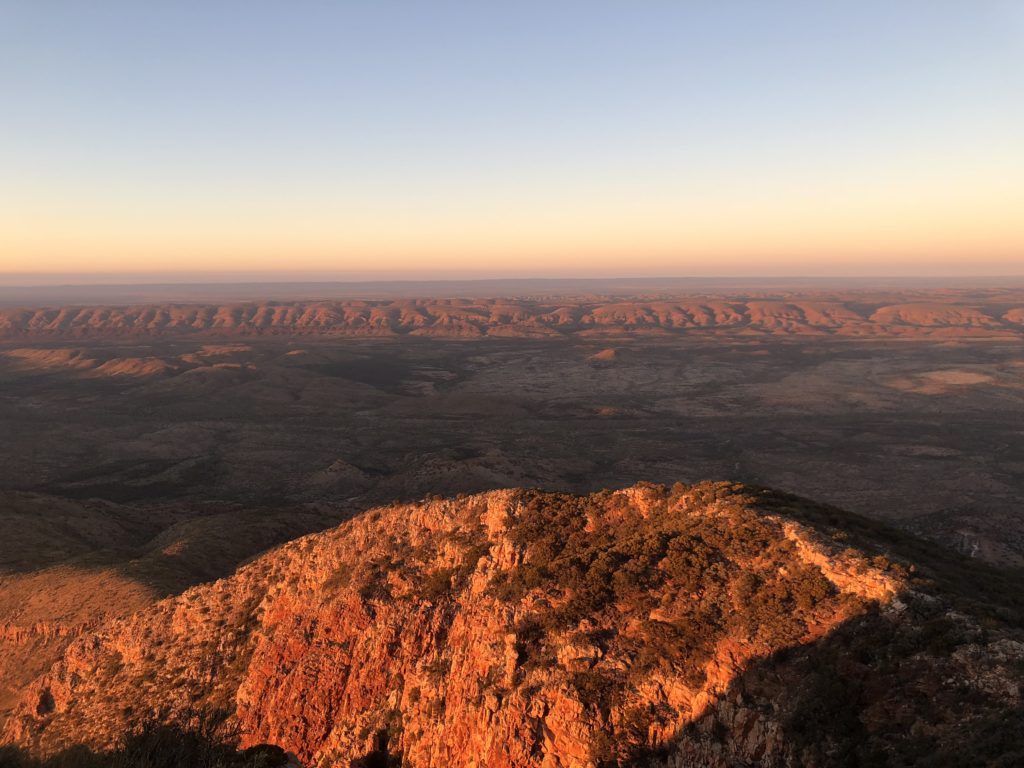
column 695, row 576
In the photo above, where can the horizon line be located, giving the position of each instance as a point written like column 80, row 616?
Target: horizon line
column 260, row 279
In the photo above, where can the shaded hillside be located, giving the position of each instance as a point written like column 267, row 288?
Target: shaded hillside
column 67, row 566
column 939, row 316
column 707, row 625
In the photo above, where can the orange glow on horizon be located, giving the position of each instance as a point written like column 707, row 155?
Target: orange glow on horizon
column 720, row 236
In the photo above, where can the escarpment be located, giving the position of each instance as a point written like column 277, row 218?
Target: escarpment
column 705, row 625
column 518, row 318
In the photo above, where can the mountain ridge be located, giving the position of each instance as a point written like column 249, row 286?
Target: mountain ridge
column 914, row 317
column 656, row 626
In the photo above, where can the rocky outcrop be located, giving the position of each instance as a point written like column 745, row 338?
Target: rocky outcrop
column 707, row 625
column 44, row 630
column 505, row 318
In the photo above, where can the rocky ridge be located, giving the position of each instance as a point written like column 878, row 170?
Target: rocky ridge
column 705, row 625
column 508, row 318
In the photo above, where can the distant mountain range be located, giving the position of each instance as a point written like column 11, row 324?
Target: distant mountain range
column 940, row 315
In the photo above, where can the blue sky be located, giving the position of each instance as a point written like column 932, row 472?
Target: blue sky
column 511, row 138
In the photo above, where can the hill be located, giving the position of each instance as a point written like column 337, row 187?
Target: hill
column 67, row 566
column 702, row 625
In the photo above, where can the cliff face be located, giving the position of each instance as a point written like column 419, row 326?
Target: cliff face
column 501, row 318
column 706, row 625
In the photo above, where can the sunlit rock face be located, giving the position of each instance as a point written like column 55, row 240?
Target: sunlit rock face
column 698, row 625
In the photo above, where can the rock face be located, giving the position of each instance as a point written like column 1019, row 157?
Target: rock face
column 707, row 625
column 506, row 318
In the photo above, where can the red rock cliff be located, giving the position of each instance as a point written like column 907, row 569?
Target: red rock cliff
column 516, row 628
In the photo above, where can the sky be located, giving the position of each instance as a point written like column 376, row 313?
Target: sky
column 367, row 140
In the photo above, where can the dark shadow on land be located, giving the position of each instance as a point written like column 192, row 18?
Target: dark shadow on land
column 878, row 690
column 865, row 696
column 197, row 746
column 157, row 746
column 842, row 703
column 993, row 595
column 165, row 546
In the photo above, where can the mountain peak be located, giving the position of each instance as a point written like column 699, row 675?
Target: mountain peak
column 691, row 625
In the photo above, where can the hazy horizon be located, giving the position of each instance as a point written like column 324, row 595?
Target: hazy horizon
column 102, row 279
column 128, row 292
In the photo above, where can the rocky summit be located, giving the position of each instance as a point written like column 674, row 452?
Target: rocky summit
column 698, row 625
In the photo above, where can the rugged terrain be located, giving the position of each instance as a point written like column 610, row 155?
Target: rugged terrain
column 995, row 314
column 67, row 565
column 138, row 460
column 923, row 433
column 707, row 625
